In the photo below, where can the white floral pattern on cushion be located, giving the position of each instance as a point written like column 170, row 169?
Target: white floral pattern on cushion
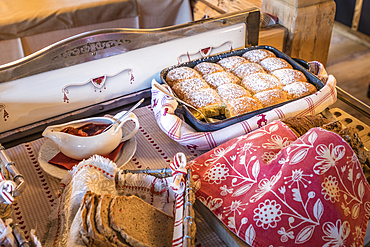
column 270, row 188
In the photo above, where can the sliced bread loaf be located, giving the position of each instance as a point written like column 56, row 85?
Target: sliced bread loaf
column 102, row 221
column 95, row 236
column 85, row 203
column 139, row 223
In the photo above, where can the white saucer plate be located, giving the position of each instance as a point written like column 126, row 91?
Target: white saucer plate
column 48, row 150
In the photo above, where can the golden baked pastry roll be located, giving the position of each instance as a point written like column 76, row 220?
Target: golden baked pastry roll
column 274, row 63
column 299, row 89
column 179, row 74
column 240, row 106
column 230, row 63
column 259, row 82
column 229, row 92
column 206, row 100
column 206, row 68
column 288, row 76
column 270, row 97
column 188, row 86
column 219, row 78
column 248, row 68
column 257, row 55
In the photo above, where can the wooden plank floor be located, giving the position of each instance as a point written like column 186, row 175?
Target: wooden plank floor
column 349, row 62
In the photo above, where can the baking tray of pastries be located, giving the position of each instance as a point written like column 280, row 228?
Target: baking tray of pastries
column 237, row 85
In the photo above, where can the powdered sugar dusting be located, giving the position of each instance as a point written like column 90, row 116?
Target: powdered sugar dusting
column 188, row 86
column 299, row 89
column 229, row 92
column 270, row 97
column 203, row 97
column 206, row 68
column 288, row 76
column 239, row 84
column 274, row 63
column 220, row 78
column 229, row 63
column 181, row 73
column 257, row 55
column 260, row 82
column 248, row 68
column 240, row 106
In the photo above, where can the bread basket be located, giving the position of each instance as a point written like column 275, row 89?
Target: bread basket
column 188, row 225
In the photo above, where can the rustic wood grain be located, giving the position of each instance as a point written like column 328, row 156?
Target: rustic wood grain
column 201, row 10
column 228, row 6
column 303, row 3
column 274, row 35
column 357, row 14
column 309, row 28
column 349, row 62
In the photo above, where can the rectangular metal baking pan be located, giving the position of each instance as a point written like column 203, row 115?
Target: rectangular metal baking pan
column 203, row 126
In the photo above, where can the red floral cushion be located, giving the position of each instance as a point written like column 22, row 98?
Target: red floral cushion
column 270, row 188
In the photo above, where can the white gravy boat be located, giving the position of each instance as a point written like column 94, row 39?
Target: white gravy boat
column 79, row 147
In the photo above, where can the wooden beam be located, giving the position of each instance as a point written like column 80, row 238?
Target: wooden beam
column 274, row 36
column 309, row 26
column 357, row 14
